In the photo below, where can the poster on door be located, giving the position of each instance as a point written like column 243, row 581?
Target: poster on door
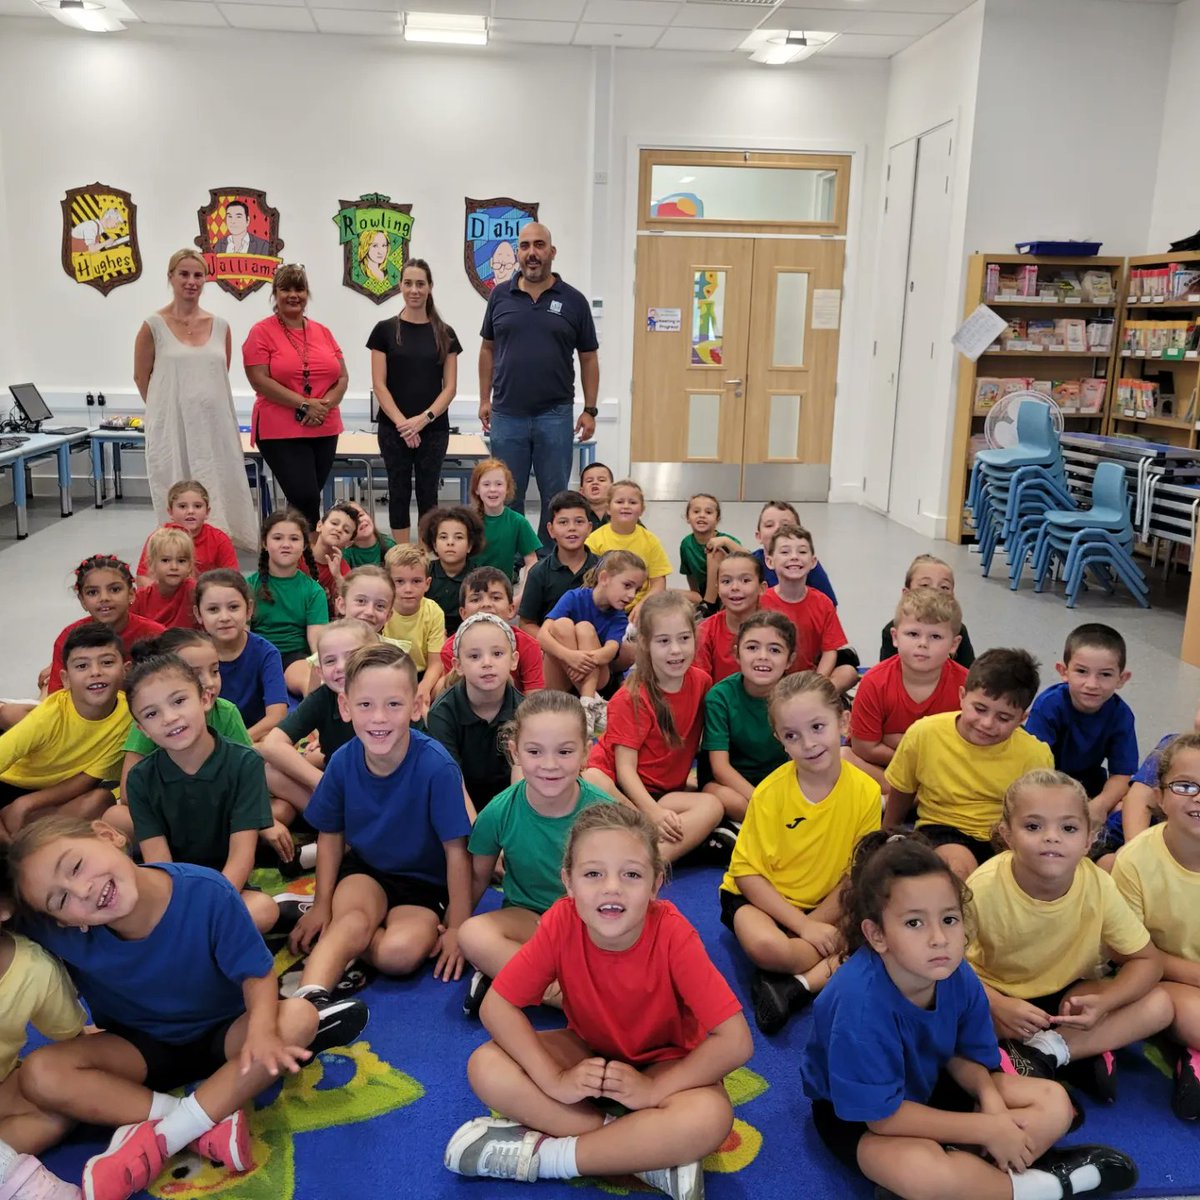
column 708, row 318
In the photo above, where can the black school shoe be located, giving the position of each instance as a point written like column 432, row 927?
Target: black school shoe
column 1185, row 1102
column 1118, row 1172
column 341, row 1020
column 775, row 998
column 1096, row 1075
column 476, row 990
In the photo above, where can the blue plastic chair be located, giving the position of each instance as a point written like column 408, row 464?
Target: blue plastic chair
column 1037, row 441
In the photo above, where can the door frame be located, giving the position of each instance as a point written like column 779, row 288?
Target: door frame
column 850, row 360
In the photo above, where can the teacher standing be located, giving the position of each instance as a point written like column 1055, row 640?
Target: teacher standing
column 181, row 369
column 299, row 378
column 414, row 371
column 534, row 326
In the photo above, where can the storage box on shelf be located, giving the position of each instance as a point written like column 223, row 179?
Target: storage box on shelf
column 1061, row 340
column 1158, row 350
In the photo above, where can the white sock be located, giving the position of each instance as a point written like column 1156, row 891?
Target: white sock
column 803, row 982
column 1085, row 1179
column 307, row 857
column 184, row 1125
column 306, row 989
column 1041, row 1185
column 162, row 1105
column 8, row 1160
column 556, row 1158
column 1051, row 1043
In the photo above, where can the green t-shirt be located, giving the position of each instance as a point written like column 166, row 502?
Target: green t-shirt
column 693, row 560
column 198, row 813
column 295, row 604
column 319, row 711
column 506, row 537
column 223, row 718
column 360, row 556
column 533, row 845
column 736, row 722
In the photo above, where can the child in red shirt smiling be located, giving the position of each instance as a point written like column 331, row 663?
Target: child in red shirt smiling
column 651, row 1025
column 169, row 594
column 739, row 587
column 188, row 508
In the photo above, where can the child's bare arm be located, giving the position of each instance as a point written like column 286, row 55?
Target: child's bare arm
column 879, row 753
column 240, row 860
column 726, row 1048
column 1111, row 794
column 723, row 772
column 1140, row 802
column 274, row 714
column 155, row 850
column 482, row 867
column 276, row 749
column 899, row 805
column 826, row 663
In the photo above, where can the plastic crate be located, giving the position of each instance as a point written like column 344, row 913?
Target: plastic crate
column 1060, row 249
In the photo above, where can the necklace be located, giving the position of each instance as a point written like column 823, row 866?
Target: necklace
column 300, row 345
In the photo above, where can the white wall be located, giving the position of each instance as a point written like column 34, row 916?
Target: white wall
column 1176, row 210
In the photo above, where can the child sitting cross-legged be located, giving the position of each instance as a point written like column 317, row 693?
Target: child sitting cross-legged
column 739, row 589
column 528, row 823
column 416, row 621
column 651, row 1026
column 781, row 895
column 398, row 896
column 451, row 535
column 956, row 766
column 927, row 571
column 556, row 574
column 168, row 596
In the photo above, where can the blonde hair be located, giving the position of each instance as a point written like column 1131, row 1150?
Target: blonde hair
column 180, row 255
column 366, row 635
column 379, row 654
column 368, row 571
column 1040, row 777
column 37, row 835
column 654, row 609
column 631, row 484
column 614, row 563
column 930, row 606
column 183, row 486
column 804, row 683
column 925, row 560
column 168, row 539
column 406, row 554
column 599, row 818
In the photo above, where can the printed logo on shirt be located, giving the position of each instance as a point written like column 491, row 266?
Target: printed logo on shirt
column 556, row 306
column 793, row 824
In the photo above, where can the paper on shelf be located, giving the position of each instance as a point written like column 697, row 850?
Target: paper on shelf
column 978, row 332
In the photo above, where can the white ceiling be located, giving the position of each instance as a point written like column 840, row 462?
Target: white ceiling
column 866, row 28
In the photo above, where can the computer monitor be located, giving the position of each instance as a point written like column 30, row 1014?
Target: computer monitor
column 29, row 401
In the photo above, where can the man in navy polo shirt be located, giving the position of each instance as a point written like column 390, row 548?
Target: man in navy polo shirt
column 534, row 326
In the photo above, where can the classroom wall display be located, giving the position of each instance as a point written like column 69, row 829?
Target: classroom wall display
column 493, row 228
column 99, row 237
column 239, row 235
column 375, row 234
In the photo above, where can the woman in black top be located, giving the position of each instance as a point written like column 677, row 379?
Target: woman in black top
column 414, row 371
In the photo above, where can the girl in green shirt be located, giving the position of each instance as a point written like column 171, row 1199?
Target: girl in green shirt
column 507, row 534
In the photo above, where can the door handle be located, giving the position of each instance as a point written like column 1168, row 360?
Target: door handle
column 737, row 381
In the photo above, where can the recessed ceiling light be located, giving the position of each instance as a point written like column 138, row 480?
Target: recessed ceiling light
column 450, row 29
column 90, row 15
column 779, row 46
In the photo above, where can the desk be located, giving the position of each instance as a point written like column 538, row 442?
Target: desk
column 38, row 446
column 117, row 440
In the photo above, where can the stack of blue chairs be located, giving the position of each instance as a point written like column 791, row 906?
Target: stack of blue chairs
column 1098, row 541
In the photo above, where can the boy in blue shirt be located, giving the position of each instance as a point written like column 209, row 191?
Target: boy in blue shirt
column 397, row 797
column 1087, row 726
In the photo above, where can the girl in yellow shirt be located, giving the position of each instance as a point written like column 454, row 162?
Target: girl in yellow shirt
column 1048, row 920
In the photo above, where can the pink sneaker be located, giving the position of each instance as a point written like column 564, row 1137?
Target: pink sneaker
column 130, row 1164
column 29, row 1180
column 227, row 1144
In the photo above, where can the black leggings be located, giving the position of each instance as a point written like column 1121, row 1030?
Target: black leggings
column 403, row 462
column 301, row 466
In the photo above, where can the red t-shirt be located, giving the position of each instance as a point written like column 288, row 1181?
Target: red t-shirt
column 661, row 767
column 654, row 1002
column 882, row 705
column 211, row 546
column 135, row 629
column 528, row 676
column 269, row 345
column 172, row 612
column 817, row 626
column 715, row 653
column 325, row 579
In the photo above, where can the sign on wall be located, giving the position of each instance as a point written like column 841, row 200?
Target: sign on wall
column 99, row 241
column 493, row 228
column 375, row 234
column 239, row 234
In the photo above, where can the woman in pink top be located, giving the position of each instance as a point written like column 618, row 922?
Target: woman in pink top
column 295, row 367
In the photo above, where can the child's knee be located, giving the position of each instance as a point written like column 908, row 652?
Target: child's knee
column 1158, row 1007
column 401, row 951
column 264, row 911
column 484, row 1067
column 43, row 1077
column 354, row 927
column 711, row 1117
column 297, row 1022
column 764, row 948
column 472, row 934
column 958, row 858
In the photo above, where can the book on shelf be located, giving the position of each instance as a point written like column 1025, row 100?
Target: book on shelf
column 1091, row 395
column 1170, row 282
column 1058, row 284
column 987, row 392
column 1065, row 393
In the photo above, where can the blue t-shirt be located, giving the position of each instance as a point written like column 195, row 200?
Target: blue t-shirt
column 180, row 980
column 398, row 822
column 580, row 605
column 817, row 578
column 1147, row 773
column 1083, row 742
column 254, row 679
column 534, row 343
column 871, row 1048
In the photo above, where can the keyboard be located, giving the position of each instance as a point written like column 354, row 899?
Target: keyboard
column 11, row 443
column 65, row 430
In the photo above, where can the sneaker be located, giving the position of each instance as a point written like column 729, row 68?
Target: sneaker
column 680, row 1183
column 494, row 1149
column 476, row 990
column 1186, row 1100
column 355, row 977
column 1118, row 1172
column 227, row 1143
column 341, row 1020
column 30, row 1180
column 775, row 998
column 1016, row 1058
column 1096, row 1075
column 596, row 710
column 130, row 1164
column 722, row 839
column 291, row 908
column 303, row 863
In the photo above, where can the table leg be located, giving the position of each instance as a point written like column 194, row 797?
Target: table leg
column 116, row 453
column 98, row 477
column 64, row 480
column 20, row 498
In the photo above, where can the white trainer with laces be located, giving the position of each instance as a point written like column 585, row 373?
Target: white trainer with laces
column 680, row 1183
column 493, row 1148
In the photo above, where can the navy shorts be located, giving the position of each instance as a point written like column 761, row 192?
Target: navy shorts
column 398, row 889
column 170, row 1065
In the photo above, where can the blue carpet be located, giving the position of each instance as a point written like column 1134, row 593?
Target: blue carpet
column 372, row 1121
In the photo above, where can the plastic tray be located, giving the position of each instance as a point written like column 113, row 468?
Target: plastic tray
column 1060, row 249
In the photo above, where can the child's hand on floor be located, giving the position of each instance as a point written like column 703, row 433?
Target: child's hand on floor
column 450, row 961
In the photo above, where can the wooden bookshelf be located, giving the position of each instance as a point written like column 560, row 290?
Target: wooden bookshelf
column 1177, row 372
column 1023, row 363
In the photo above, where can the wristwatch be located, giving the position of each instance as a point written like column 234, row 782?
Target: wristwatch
column 430, row 415
column 591, row 410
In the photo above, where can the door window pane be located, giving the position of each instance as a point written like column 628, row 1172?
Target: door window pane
column 783, row 427
column 704, row 421
column 708, row 318
column 737, row 193
column 791, row 316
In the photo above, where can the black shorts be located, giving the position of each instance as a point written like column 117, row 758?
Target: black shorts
column 842, row 1137
column 169, row 1064
column 847, row 656
column 398, row 889
column 293, row 656
column 730, row 903
column 10, row 792
column 947, row 835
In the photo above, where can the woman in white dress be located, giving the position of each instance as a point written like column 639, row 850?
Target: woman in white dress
column 181, row 368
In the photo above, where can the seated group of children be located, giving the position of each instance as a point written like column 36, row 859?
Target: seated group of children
column 581, row 734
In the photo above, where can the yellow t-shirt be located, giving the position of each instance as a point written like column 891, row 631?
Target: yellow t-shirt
column 1164, row 895
column 803, row 849
column 1026, row 947
column 640, row 542
column 36, row 988
column 424, row 630
column 956, row 783
column 54, row 742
